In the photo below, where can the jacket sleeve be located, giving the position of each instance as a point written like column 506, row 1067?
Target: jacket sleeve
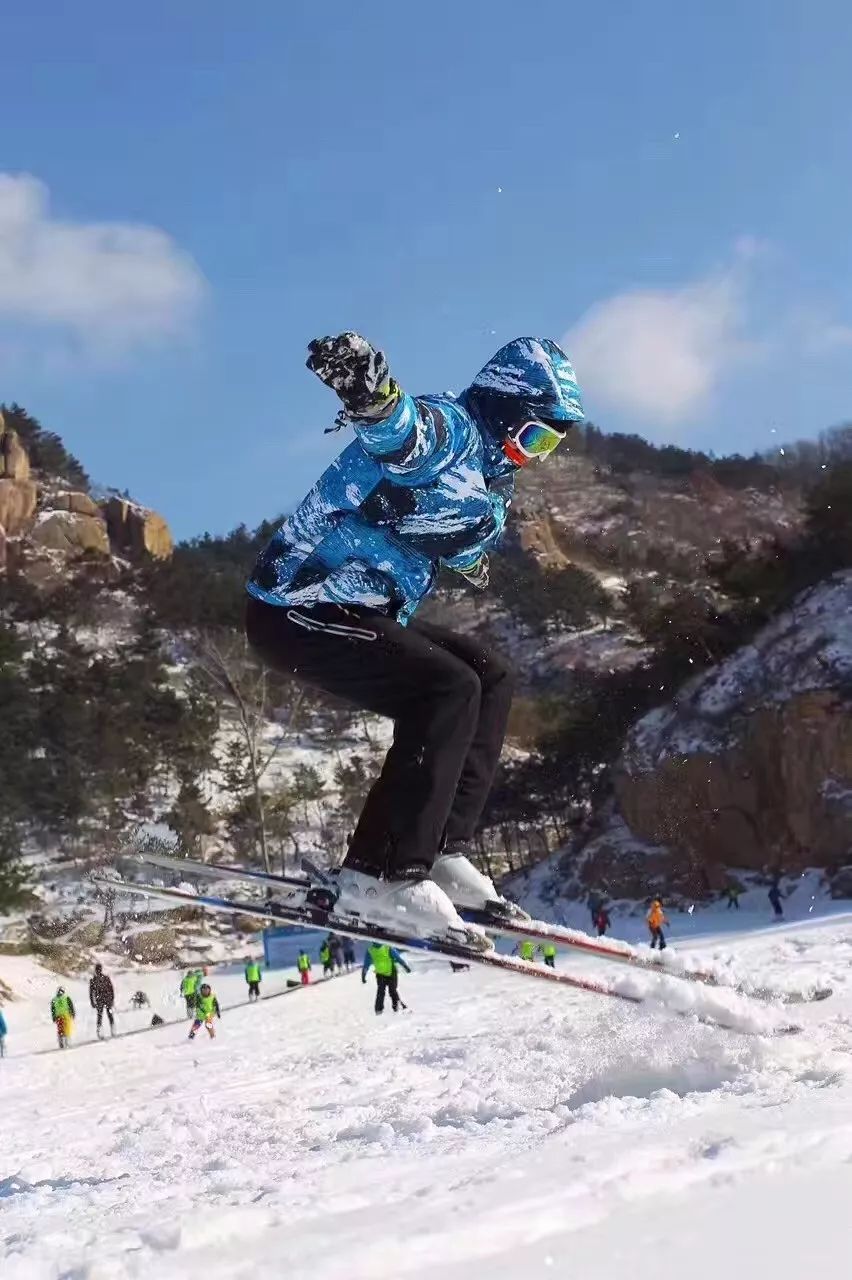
column 71, row 1008
column 409, row 438
column 397, row 959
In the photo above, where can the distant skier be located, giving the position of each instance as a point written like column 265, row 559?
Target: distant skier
column 252, row 972
column 303, row 964
column 656, row 920
column 189, row 988
column 102, row 997
column 602, row 921
column 548, row 951
column 336, row 952
column 595, row 903
column 525, row 949
column 426, row 484
column 4, row 1031
column 733, row 892
column 206, row 1008
column 386, row 961
column 325, row 958
column 774, row 896
column 62, row 1015
column 139, row 1000
column 349, row 957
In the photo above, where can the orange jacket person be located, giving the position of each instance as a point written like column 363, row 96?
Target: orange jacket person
column 656, row 920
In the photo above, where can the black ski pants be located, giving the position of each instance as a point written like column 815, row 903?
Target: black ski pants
column 254, row 990
column 99, row 1016
column 386, row 982
column 658, row 938
column 449, row 699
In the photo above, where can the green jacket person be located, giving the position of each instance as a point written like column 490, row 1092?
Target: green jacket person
column 206, row 1008
column 384, row 960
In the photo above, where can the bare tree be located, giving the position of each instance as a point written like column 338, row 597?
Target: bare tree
column 244, row 685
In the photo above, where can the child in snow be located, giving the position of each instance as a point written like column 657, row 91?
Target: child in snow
column 189, row 988
column 62, row 1016
column 252, row 972
column 426, row 484
column 525, row 949
column 548, row 951
column 206, row 1008
column 602, row 921
column 384, row 960
column 303, row 964
column 326, row 958
column 774, row 896
column 656, row 920
column 349, row 957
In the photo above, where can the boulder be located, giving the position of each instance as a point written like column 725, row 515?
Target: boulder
column 752, row 766
column 136, row 531
column 14, row 459
column 17, row 505
column 70, row 533
column 72, row 500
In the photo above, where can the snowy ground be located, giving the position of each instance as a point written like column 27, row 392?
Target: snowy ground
column 498, row 1128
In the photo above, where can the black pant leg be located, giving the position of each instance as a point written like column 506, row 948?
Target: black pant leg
column 393, row 991
column 110, row 1017
column 432, row 696
column 381, row 985
column 99, row 1016
column 483, row 756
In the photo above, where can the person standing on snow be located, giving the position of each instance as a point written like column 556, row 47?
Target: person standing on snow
column 602, row 921
column 548, row 951
column 189, row 989
column 62, row 1016
column 525, row 949
column 386, row 961
column 325, row 958
column 206, row 1008
column 336, row 952
column 252, row 972
column 774, row 896
column 102, row 996
column 349, row 957
column 656, row 920
column 303, row 964
column 426, row 484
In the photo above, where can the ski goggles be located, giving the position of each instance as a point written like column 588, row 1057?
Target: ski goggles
column 532, row 440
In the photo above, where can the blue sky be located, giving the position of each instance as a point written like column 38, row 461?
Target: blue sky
column 665, row 186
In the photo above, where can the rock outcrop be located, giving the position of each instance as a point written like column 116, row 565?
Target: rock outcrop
column 751, row 767
column 136, row 531
column 47, row 530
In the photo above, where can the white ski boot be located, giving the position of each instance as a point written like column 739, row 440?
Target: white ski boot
column 414, row 906
column 470, row 890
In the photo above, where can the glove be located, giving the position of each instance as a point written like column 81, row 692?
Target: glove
column 355, row 371
column 476, row 573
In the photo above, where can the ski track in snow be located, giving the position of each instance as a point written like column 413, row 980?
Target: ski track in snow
column 493, row 1129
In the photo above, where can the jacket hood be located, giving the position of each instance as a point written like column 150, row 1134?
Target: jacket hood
column 528, row 375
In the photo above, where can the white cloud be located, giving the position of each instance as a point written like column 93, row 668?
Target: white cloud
column 109, row 286
column 660, row 353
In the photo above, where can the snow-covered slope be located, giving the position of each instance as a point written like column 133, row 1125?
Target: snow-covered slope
column 491, row 1130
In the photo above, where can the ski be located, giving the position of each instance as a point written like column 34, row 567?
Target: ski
column 314, row 917
column 295, row 887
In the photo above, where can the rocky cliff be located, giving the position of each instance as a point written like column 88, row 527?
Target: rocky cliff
column 48, row 531
column 751, row 766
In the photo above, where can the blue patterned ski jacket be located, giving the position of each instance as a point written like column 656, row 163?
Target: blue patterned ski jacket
column 425, row 486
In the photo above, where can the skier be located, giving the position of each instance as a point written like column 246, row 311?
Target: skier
column 525, row 949
column 427, row 483
column 548, row 951
column 189, row 988
column 206, row 1005
column 252, row 972
column 733, row 892
column 139, row 1000
column 62, row 1015
column 102, row 996
column 656, row 920
column 325, row 958
column 602, row 921
column 774, row 896
column 336, row 952
column 385, row 961
column 349, row 957
column 303, row 964
column 4, row 1031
